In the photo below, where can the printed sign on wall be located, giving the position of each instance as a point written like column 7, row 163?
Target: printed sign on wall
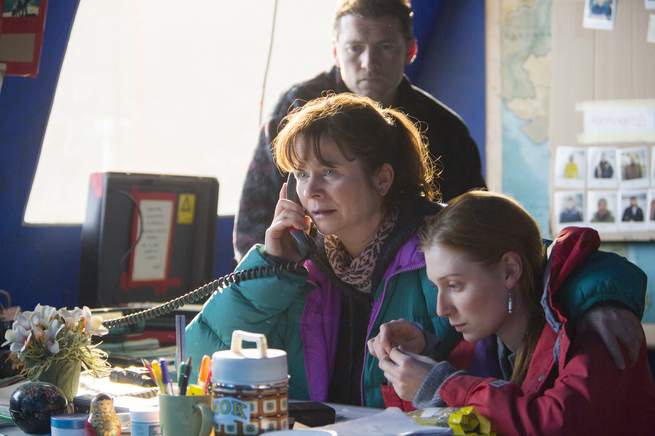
column 21, row 35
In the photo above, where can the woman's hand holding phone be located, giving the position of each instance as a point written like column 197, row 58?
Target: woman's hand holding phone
column 288, row 214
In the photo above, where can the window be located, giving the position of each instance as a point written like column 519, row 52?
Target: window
column 146, row 87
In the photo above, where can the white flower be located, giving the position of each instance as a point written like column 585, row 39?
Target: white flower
column 16, row 337
column 51, row 333
column 93, row 324
column 96, row 327
column 71, row 317
column 23, row 320
column 40, row 321
column 42, row 315
column 20, row 331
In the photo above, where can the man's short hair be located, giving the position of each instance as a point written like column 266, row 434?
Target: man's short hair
column 401, row 9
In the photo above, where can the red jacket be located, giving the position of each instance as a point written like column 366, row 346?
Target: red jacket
column 572, row 387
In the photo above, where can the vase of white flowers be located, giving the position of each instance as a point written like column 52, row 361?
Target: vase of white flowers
column 55, row 345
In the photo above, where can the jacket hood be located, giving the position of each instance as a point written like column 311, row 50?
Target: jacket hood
column 570, row 249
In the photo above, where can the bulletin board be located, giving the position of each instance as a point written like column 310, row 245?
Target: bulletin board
column 602, row 121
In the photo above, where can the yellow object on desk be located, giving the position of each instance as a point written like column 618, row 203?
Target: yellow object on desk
column 468, row 421
column 194, row 390
column 462, row 421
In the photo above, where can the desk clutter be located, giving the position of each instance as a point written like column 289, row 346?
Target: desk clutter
column 240, row 391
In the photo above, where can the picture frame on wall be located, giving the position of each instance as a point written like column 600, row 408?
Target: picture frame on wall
column 569, row 208
column 634, row 167
column 602, row 168
column 599, row 14
column 633, row 205
column 570, row 167
column 602, row 211
column 651, row 209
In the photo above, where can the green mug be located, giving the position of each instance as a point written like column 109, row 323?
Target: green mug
column 183, row 415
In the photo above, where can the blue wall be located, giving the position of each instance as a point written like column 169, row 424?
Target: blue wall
column 41, row 264
column 452, row 68
column 36, row 264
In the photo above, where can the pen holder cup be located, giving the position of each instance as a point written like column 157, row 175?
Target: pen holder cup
column 180, row 414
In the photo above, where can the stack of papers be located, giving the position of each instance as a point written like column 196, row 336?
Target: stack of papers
column 391, row 421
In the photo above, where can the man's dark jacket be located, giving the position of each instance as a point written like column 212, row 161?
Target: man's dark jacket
column 448, row 139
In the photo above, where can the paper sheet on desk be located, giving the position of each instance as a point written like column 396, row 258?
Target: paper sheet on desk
column 391, row 421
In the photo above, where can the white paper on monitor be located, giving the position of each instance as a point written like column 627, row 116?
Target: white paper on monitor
column 151, row 253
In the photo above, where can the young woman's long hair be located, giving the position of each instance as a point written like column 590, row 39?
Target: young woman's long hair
column 362, row 130
column 485, row 226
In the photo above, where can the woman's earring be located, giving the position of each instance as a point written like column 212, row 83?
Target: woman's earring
column 509, row 302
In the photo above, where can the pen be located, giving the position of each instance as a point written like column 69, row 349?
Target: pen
column 183, row 377
column 165, row 379
column 203, row 372
column 149, row 368
column 156, row 369
column 180, row 323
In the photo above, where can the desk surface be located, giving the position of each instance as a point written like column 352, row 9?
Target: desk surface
column 343, row 412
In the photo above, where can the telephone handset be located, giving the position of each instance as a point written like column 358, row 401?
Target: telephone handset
column 304, row 244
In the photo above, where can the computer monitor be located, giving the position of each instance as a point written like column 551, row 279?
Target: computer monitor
column 146, row 237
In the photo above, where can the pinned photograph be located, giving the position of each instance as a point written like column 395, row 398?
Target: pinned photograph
column 569, row 207
column 633, row 206
column 634, row 167
column 602, row 211
column 602, row 169
column 570, row 167
column 599, row 14
column 651, row 208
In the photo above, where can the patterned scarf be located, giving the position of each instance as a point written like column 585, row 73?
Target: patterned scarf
column 358, row 271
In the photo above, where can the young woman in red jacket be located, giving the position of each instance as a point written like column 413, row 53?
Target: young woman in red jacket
column 498, row 287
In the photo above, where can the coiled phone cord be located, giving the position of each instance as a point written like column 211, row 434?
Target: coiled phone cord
column 204, row 291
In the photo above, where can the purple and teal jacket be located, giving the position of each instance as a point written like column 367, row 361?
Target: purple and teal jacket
column 299, row 313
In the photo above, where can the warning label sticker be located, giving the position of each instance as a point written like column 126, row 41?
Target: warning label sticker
column 185, row 208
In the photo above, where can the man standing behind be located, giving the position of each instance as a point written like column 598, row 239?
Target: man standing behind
column 373, row 42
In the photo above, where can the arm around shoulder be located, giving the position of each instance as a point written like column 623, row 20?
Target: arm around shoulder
column 605, row 278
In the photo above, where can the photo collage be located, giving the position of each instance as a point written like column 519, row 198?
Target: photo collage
column 611, row 189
